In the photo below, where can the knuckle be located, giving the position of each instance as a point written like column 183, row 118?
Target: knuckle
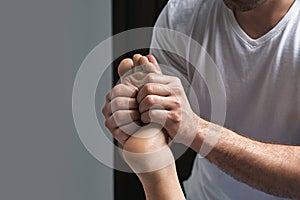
column 116, row 134
column 104, row 110
column 120, row 136
column 107, row 124
column 175, row 117
column 176, row 80
column 117, row 89
column 150, row 77
column 150, row 100
column 108, row 96
column 116, row 104
column 177, row 90
column 118, row 116
column 148, row 88
column 176, row 103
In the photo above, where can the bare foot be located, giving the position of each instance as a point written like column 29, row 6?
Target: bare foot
column 147, row 149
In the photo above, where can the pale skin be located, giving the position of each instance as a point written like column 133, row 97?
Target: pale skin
column 272, row 168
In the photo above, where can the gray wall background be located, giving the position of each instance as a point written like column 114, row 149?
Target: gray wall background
column 42, row 44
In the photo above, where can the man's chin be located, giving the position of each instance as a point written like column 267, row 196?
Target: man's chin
column 243, row 7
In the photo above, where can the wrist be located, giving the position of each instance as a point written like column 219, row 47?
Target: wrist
column 193, row 135
column 206, row 137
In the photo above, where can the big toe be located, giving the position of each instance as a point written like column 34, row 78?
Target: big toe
column 125, row 66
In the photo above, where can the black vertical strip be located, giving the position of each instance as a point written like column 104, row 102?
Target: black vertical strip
column 129, row 14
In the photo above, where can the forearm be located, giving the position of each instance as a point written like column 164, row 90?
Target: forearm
column 272, row 168
column 162, row 184
column 149, row 156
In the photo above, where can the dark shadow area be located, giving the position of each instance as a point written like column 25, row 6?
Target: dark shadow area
column 129, row 14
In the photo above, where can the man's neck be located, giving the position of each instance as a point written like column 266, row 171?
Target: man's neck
column 262, row 19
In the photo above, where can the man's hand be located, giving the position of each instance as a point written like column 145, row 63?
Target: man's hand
column 177, row 117
column 161, row 99
column 121, row 108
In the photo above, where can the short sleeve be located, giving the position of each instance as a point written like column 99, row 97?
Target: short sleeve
column 170, row 41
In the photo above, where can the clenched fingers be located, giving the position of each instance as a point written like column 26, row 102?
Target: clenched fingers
column 121, row 90
column 158, row 116
column 122, row 117
column 121, row 134
column 153, row 89
column 120, row 103
column 158, row 102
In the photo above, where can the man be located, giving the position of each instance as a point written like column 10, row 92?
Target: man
column 255, row 45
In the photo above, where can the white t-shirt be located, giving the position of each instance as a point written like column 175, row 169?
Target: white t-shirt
column 261, row 79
